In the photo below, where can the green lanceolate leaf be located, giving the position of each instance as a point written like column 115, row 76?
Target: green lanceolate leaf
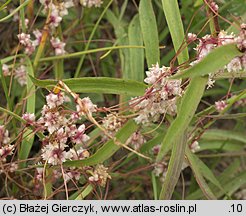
column 224, row 135
column 173, row 17
column 136, row 71
column 198, row 175
column 108, row 149
column 103, row 85
column 206, row 172
column 28, row 136
column 176, row 132
column 174, row 168
column 188, row 106
column 149, row 32
column 214, row 61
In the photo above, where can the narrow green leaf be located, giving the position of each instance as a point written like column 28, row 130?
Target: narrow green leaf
column 4, row 5
column 217, row 134
column 108, row 149
column 198, row 175
column 188, row 106
column 176, row 132
column 174, row 168
column 173, row 17
column 224, row 178
column 211, row 63
column 227, row 146
column 81, row 194
column 149, row 32
column 230, row 186
column 28, row 136
column 206, row 172
column 136, row 71
column 103, row 85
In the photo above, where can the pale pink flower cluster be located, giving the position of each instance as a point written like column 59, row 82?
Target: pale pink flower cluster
column 214, row 6
column 112, row 123
column 30, row 45
column 156, row 149
column 58, row 46
column 87, row 106
column 208, row 43
column 160, row 98
column 57, row 11
column 100, row 175
column 62, row 131
column 6, row 148
column 136, row 140
column 5, row 69
column 91, row 3
column 220, row 105
column 20, row 75
column 160, row 170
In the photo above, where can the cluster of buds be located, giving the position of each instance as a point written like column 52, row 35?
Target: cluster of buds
column 58, row 46
column 220, row 105
column 136, row 140
column 208, row 43
column 112, row 123
column 160, row 170
column 100, row 175
column 29, row 44
column 194, row 147
column 160, row 98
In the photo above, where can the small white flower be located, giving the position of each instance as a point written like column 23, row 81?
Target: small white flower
column 13, row 167
column 220, row 105
column 58, row 46
column 54, row 154
column 63, row 7
column 136, row 140
column 29, row 117
column 87, row 106
column 234, row 65
column 192, row 37
column 55, row 17
column 210, row 82
column 224, row 38
column 38, row 36
column 54, row 100
column 21, row 75
column 214, row 6
column 194, row 147
column 79, row 136
column 25, row 39
column 5, row 69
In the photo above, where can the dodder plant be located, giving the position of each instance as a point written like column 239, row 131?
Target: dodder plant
column 154, row 140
